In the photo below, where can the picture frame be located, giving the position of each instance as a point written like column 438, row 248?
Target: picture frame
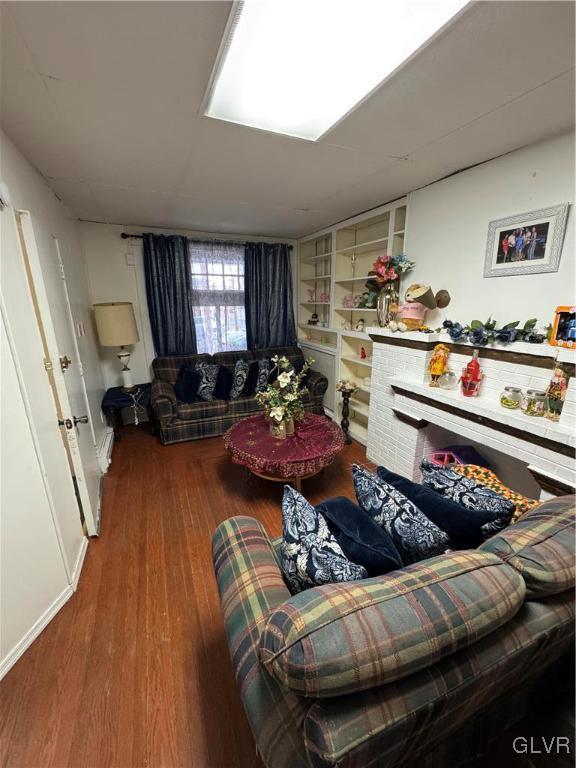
column 527, row 243
column 564, row 328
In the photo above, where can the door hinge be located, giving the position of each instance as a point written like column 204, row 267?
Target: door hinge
column 48, row 364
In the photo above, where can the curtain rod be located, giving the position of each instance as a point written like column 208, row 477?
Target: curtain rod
column 127, row 235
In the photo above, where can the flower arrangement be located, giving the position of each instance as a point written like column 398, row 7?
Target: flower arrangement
column 282, row 400
column 480, row 334
column 387, row 269
column 345, row 385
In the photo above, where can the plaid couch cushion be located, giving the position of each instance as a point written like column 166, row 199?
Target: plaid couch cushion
column 342, row 638
column 404, row 720
column 540, row 546
column 251, row 585
column 201, row 409
column 166, row 368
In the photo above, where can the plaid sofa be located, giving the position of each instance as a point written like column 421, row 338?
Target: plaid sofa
column 177, row 421
column 456, row 647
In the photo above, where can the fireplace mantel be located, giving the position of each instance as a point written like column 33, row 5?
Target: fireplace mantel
column 402, row 404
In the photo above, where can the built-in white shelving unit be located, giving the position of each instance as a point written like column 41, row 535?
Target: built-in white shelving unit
column 336, row 262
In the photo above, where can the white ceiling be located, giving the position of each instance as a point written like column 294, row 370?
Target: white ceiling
column 103, row 98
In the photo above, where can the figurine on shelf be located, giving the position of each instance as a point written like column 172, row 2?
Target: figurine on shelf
column 556, row 393
column 471, row 377
column 345, row 325
column 437, row 364
column 314, row 319
column 362, row 353
column 357, row 300
column 311, row 295
column 324, row 298
column 348, row 301
column 361, row 325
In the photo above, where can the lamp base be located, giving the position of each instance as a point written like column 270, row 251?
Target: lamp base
column 126, row 373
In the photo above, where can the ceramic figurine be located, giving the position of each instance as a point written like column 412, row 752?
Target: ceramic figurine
column 314, row 319
column 556, row 393
column 311, row 295
column 324, row 298
column 348, row 301
column 437, row 364
column 362, row 353
column 471, row 377
column 360, row 325
column 345, row 325
column 357, row 300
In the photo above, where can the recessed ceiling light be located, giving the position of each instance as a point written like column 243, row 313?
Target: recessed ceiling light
column 298, row 66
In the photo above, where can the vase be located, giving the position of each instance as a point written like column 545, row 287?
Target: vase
column 387, row 305
column 281, row 429
column 278, row 429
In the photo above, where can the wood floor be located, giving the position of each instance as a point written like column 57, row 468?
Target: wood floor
column 134, row 671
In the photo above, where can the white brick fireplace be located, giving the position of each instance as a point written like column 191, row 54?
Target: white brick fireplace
column 404, row 410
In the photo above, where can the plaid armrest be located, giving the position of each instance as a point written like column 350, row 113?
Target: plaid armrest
column 163, row 399
column 251, row 585
column 317, row 384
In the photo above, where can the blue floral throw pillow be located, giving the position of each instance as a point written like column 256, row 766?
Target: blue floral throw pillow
column 310, row 553
column 209, row 374
column 415, row 537
column 240, row 375
column 470, row 494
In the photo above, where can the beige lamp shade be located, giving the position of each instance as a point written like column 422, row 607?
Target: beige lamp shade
column 116, row 324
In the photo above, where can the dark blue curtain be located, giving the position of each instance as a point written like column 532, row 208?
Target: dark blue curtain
column 169, row 292
column 268, row 296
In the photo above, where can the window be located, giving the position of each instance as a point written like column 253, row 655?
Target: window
column 218, row 295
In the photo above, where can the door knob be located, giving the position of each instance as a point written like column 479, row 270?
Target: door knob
column 65, row 423
column 80, row 420
column 65, row 362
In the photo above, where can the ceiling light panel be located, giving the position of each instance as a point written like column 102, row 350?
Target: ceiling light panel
column 298, row 66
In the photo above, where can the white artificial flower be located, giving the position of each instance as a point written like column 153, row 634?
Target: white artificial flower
column 284, row 378
column 277, row 413
column 290, row 397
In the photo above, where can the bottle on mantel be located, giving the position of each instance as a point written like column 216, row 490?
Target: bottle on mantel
column 471, row 377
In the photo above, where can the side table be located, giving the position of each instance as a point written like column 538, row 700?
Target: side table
column 116, row 399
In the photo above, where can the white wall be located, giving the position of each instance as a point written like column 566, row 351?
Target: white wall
column 29, row 192
column 116, row 273
column 448, row 225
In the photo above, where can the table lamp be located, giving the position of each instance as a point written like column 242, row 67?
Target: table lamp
column 116, row 327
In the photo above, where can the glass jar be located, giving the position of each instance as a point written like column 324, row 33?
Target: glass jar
column 534, row 403
column 511, row 397
column 448, row 380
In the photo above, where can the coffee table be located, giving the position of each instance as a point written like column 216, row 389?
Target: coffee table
column 314, row 445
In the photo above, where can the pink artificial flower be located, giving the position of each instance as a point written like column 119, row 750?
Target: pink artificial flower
column 392, row 274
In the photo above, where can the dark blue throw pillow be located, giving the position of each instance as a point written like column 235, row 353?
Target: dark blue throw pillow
column 224, row 382
column 463, row 526
column 361, row 538
column 251, row 379
column 187, row 384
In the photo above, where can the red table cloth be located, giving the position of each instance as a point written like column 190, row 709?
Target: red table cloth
column 315, row 444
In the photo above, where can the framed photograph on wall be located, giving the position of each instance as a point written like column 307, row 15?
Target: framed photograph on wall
column 525, row 244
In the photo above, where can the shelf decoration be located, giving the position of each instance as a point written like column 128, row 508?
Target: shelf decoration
column 480, row 334
column 346, row 389
column 383, row 287
column 556, row 393
column 438, row 363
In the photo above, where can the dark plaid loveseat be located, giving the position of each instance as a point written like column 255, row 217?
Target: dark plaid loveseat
column 421, row 667
column 177, row 421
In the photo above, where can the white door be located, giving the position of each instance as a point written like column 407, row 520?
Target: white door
column 34, row 579
column 47, row 275
column 28, row 351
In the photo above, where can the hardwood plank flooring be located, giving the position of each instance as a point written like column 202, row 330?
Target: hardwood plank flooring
column 134, row 671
